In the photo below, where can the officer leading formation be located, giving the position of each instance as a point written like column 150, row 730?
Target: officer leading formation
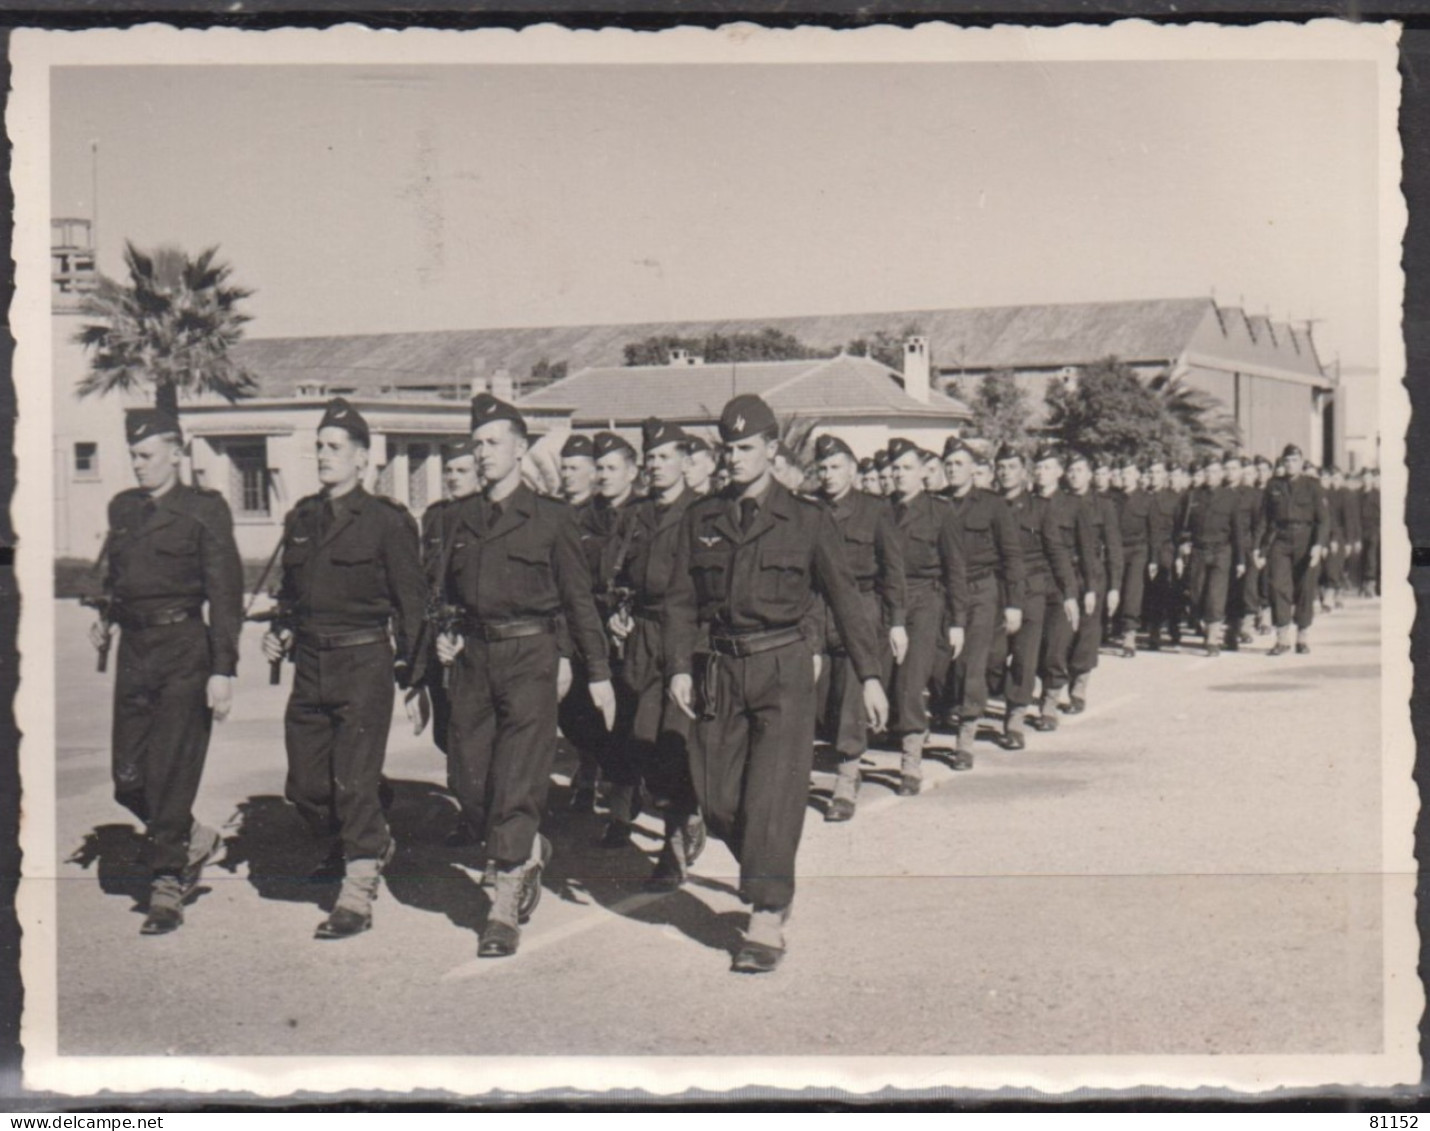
column 690, row 619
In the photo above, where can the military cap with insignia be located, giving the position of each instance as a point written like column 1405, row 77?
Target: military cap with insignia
column 1047, row 451
column 881, row 459
column 1077, row 455
column 955, row 444
column 655, row 433
column 487, row 408
column 866, row 465
column 693, row 444
column 1290, row 450
column 829, row 445
column 1008, row 451
column 899, row 446
column 337, row 413
column 1262, row 461
column 143, row 423
column 457, row 449
column 577, row 445
column 608, row 442
column 745, row 416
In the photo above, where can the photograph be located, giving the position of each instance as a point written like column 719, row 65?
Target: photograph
column 654, row 564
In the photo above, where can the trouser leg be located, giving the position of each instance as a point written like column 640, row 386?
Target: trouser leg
column 1025, row 647
column 1056, row 644
column 1083, row 655
column 1132, row 592
column 361, row 679
column 971, row 667
column 1281, row 582
column 523, row 680
column 719, row 745
column 911, row 678
column 472, row 735
column 308, row 732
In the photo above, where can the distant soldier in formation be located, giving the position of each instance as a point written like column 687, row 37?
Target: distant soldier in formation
column 748, row 566
column 1075, row 530
column 1333, row 563
column 1370, row 533
column 1295, row 533
column 1135, row 528
column 352, row 575
column 1164, row 612
column 883, row 464
column 1214, row 527
column 169, row 552
column 869, row 477
column 1102, row 573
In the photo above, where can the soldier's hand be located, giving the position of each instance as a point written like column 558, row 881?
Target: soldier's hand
column 275, row 645
column 1089, row 603
column 876, row 704
column 1070, row 608
column 1240, row 570
column 219, row 694
column 682, row 693
column 1151, row 571
column 818, row 665
column 1335, row 546
column 1260, row 559
column 620, row 625
column 1317, row 553
column 955, row 641
column 899, row 642
column 99, row 634
column 1013, row 620
column 1114, row 598
column 603, row 695
column 563, row 678
column 449, row 647
column 419, row 708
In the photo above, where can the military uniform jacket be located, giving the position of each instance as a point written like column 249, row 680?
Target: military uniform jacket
column 433, row 537
column 1104, row 568
column 1348, row 501
column 1134, row 519
column 524, row 563
column 364, row 572
column 874, row 550
column 1370, row 513
column 767, row 578
column 599, row 525
column 177, row 554
column 1250, row 498
column 933, row 550
column 1292, row 505
column 990, row 541
column 1166, row 509
column 1074, row 521
column 1214, row 517
column 645, row 542
column 1044, row 554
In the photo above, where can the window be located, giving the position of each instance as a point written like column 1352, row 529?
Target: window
column 86, row 461
column 249, row 479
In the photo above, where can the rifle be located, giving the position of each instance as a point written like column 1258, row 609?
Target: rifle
column 280, row 618
column 622, row 599
column 104, row 606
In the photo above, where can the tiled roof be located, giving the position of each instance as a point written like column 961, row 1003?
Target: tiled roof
column 830, row 387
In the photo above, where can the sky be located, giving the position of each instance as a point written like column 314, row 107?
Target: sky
column 398, row 198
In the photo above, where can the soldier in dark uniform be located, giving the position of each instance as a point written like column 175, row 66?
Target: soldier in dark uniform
column 869, row 477
column 352, row 574
column 1075, row 530
column 1163, row 597
column 460, row 479
column 169, row 550
column 994, row 572
column 578, row 489
column 578, row 470
column 659, row 738
column 1134, row 526
column 874, row 551
column 1102, row 573
column 748, row 566
column 1050, row 588
column 516, row 570
column 1216, row 537
column 1294, row 535
column 1242, row 600
column 1354, row 545
column 1370, row 534
column 1264, row 473
column 937, row 600
column 883, row 464
column 1330, row 579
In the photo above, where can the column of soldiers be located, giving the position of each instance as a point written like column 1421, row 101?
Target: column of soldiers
column 689, row 619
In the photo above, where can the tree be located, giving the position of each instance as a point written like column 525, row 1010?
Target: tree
column 1108, row 409
column 885, row 347
column 1000, row 408
column 171, row 327
column 769, row 344
column 1203, row 418
column 544, row 372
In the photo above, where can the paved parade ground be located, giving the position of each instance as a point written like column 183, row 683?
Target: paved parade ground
column 1192, row 866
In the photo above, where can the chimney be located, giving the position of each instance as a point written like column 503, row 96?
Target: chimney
column 916, row 369
column 478, row 382
column 503, row 388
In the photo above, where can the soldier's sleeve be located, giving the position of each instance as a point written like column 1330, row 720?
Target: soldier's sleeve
column 1089, row 553
column 1323, row 517
column 1010, row 553
column 1056, row 549
column 955, row 570
column 1354, row 530
column 891, row 581
column 106, row 557
column 573, row 582
column 835, row 580
column 1240, row 532
column 287, row 593
column 407, row 585
column 223, row 583
column 678, row 615
column 1112, row 531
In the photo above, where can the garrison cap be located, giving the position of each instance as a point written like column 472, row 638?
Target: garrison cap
column 1077, row 455
column 745, row 416
column 1232, row 457
column 608, row 442
column 693, row 444
column 458, row 449
column 1047, row 451
column 1008, row 451
column 487, row 408
column 1262, row 461
column 882, row 459
column 899, row 446
column 954, row 444
column 655, row 432
column 928, row 456
column 339, row 414
column 577, row 445
column 143, row 423
column 1102, row 462
column 866, row 465
column 1290, row 450
column 828, row 445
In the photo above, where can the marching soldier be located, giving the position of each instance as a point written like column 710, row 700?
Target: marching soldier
column 994, row 572
column 1163, row 598
column 937, row 586
column 516, row 570
column 1060, row 628
column 1134, row 526
column 1370, row 533
column 748, row 565
column 1102, row 573
column 875, row 555
column 1330, row 579
column 1243, row 601
column 169, row 549
column 578, row 470
column 869, row 477
column 578, row 489
column 659, row 732
column 1353, row 529
column 352, row 573
column 1295, row 532
column 1214, row 530
column 883, row 464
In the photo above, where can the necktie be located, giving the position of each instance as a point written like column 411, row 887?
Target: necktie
column 325, row 519
column 151, row 506
column 747, row 514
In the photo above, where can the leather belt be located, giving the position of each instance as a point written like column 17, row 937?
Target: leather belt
column 922, row 582
column 492, row 631
column 155, row 620
column 753, row 643
column 326, row 641
column 646, row 612
column 866, row 585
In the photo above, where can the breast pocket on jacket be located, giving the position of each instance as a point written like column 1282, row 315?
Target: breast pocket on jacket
column 527, row 570
column 784, row 578
column 859, row 549
column 710, row 571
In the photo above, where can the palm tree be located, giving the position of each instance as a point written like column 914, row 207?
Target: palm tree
column 1204, row 418
column 171, row 327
